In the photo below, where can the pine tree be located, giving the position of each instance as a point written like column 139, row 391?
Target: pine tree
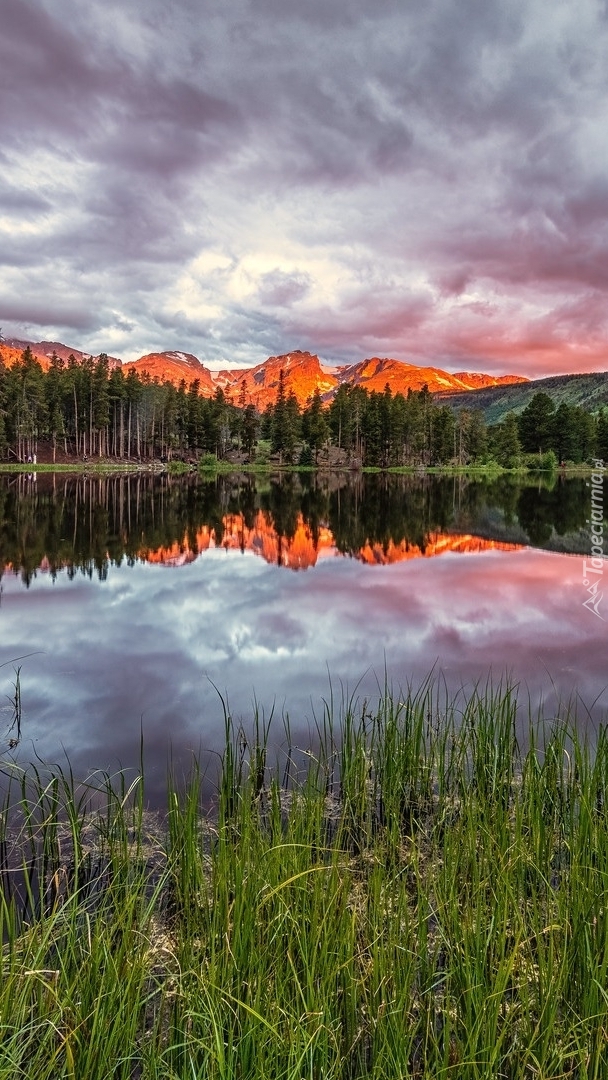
column 473, row 433
column 601, row 438
column 535, row 424
column 54, row 394
column 30, row 406
column 285, row 422
column 442, row 435
column 506, row 442
column 101, row 403
column 315, row 429
column 249, row 429
column 117, row 394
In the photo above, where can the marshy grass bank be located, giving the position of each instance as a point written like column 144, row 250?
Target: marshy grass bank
column 418, row 895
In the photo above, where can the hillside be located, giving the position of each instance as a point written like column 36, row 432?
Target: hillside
column 590, row 391
column 12, row 348
column 376, row 373
column 303, row 374
column 173, row 367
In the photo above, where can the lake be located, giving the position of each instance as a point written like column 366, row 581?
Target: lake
column 145, row 605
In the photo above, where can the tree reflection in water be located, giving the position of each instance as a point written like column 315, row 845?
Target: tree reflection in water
column 86, row 524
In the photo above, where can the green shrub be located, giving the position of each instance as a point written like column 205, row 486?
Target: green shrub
column 546, row 462
column 262, row 452
column 208, row 461
column 176, row 468
column 306, row 457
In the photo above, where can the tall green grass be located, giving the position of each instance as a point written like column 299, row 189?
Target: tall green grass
column 418, row 893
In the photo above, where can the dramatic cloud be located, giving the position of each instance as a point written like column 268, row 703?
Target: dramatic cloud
column 420, row 181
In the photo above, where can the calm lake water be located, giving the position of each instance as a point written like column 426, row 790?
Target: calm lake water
column 136, row 604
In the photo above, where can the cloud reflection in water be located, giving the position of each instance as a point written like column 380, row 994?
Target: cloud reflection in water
column 152, row 646
column 142, row 621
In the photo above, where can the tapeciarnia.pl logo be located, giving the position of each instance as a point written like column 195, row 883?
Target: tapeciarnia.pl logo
column 593, row 568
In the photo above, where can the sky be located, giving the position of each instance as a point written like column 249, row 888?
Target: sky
column 419, row 179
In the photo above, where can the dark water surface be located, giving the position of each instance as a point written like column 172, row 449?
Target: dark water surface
column 137, row 601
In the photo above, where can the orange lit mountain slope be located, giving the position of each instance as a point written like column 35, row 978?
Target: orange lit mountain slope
column 173, row 367
column 303, row 549
column 473, row 380
column 12, row 349
column 375, row 374
column 303, row 374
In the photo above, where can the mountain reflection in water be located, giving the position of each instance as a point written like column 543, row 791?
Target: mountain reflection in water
column 89, row 524
column 399, row 574
column 303, row 549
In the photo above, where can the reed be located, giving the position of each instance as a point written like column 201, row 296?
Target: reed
column 420, row 894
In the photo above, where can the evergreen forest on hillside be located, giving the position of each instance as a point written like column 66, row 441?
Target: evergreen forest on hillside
column 87, row 409
column 589, row 390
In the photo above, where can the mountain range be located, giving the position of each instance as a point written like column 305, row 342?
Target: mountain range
column 12, row 348
column 303, row 373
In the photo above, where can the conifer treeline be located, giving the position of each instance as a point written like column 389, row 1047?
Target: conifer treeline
column 85, row 409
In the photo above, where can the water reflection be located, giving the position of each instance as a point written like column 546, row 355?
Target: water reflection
column 89, row 524
column 122, row 643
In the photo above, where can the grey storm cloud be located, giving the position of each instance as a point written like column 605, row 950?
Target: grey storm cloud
column 279, row 289
column 248, row 179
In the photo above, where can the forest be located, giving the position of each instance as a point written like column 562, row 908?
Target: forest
column 89, row 410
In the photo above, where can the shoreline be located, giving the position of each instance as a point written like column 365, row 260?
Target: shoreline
column 423, row 897
column 115, row 466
